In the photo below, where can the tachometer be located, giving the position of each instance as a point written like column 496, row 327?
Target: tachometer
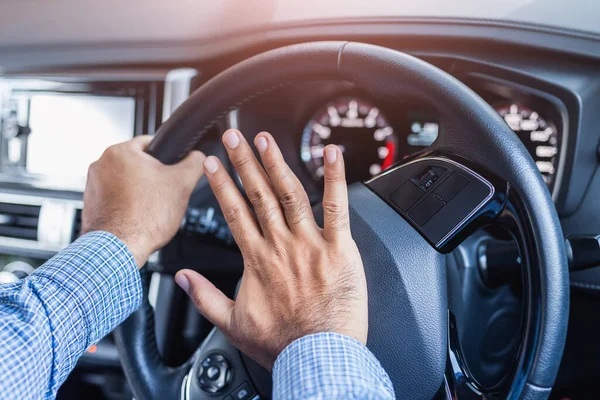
column 359, row 129
column 539, row 136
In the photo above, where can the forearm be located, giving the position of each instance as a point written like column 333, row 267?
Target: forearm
column 329, row 366
column 50, row 318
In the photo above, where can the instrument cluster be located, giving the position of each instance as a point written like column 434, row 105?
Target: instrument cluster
column 372, row 144
column 374, row 134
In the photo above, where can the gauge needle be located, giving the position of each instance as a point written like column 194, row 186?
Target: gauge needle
column 389, row 159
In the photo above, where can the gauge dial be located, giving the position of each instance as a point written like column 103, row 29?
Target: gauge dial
column 539, row 136
column 359, row 129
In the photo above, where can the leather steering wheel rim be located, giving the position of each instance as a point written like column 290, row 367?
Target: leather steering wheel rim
column 472, row 129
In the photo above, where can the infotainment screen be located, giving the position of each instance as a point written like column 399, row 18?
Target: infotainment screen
column 52, row 129
column 69, row 132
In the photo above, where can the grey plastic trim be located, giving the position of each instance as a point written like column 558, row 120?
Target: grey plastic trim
column 178, row 85
column 36, row 57
column 54, row 226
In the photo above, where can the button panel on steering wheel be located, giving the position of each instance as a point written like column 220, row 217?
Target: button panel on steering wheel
column 440, row 197
column 220, row 371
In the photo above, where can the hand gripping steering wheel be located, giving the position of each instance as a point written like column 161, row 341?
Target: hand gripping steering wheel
column 476, row 173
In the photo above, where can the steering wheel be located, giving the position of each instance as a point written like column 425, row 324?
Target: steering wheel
column 476, row 173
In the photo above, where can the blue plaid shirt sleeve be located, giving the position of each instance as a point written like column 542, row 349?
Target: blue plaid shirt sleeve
column 50, row 318
column 329, row 366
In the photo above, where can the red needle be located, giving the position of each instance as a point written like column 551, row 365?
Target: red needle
column 389, row 159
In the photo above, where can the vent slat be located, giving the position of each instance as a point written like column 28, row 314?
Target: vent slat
column 30, row 222
column 76, row 225
column 18, row 232
column 19, row 209
column 19, row 221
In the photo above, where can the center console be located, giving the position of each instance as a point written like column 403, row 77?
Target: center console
column 52, row 127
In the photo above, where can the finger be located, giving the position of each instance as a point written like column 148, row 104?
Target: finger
column 210, row 301
column 336, row 222
column 190, row 169
column 235, row 209
column 289, row 190
column 256, row 184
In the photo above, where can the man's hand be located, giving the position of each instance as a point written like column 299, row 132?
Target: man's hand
column 298, row 279
column 138, row 199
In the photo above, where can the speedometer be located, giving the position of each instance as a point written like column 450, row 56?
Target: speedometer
column 360, row 130
column 539, row 136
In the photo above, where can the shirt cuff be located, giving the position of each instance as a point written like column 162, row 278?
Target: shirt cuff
column 331, row 366
column 87, row 290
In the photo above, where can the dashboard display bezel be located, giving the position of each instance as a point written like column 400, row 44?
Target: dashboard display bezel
column 495, row 90
column 302, row 108
column 148, row 102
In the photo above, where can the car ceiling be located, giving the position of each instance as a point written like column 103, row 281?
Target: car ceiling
column 43, row 22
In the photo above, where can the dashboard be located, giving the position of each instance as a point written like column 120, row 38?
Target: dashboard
column 374, row 134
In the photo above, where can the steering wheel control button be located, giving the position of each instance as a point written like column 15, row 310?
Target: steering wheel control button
column 452, row 186
column 207, row 224
column 214, row 373
column 426, row 209
column 406, row 196
column 243, row 392
column 428, row 177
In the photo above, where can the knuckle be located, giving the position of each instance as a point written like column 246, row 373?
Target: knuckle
column 296, row 207
column 259, row 196
column 291, row 199
column 233, row 213
column 265, row 204
column 335, row 178
column 336, row 213
column 284, row 173
column 198, row 300
column 334, row 207
column 93, row 168
column 242, row 159
column 270, row 163
column 219, row 186
column 112, row 151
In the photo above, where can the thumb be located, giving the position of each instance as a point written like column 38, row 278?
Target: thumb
column 190, row 169
column 210, row 301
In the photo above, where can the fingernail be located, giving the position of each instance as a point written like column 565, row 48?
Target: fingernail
column 331, row 155
column 232, row 139
column 211, row 165
column 183, row 282
column 261, row 144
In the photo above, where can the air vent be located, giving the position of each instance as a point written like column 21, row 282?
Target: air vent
column 19, row 221
column 76, row 225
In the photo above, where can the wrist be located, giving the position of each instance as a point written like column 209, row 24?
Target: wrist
column 138, row 246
